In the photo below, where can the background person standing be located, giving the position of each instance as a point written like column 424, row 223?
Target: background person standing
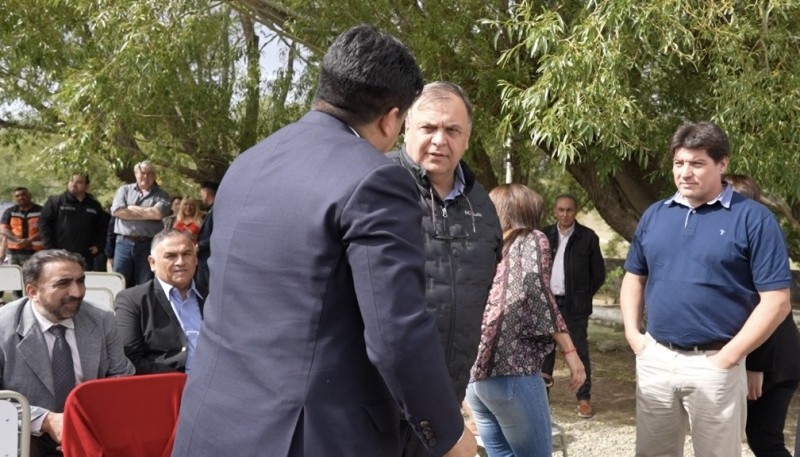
column 578, row 273
column 138, row 209
column 773, row 370
column 20, row 226
column 712, row 268
column 74, row 221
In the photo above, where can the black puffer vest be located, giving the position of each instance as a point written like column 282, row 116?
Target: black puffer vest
column 462, row 251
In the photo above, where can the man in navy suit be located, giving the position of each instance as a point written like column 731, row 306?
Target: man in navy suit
column 315, row 327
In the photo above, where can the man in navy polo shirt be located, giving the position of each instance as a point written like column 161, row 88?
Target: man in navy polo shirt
column 713, row 270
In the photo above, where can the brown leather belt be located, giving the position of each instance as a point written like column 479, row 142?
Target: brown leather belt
column 137, row 239
column 714, row 346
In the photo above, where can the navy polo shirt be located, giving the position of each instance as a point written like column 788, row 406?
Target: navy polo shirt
column 705, row 266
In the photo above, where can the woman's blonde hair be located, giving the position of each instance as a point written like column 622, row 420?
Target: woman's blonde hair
column 186, row 201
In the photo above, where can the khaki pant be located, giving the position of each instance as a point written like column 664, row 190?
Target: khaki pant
column 680, row 390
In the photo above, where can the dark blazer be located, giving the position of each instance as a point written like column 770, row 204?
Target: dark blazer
column 315, row 327
column 584, row 269
column 204, row 251
column 150, row 332
column 25, row 362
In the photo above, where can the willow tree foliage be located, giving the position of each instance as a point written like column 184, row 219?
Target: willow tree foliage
column 613, row 79
column 450, row 42
column 176, row 82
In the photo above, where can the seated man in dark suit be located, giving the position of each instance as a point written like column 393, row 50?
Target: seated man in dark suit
column 50, row 341
column 159, row 321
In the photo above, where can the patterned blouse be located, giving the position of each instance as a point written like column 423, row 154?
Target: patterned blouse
column 521, row 313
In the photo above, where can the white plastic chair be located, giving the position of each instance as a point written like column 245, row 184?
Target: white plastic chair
column 11, row 278
column 99, row 297
column 114, row 282
column 15, row 424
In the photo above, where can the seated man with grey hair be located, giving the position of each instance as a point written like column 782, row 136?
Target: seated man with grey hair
column 139, row 208
column 50, row 341
column 159, row 321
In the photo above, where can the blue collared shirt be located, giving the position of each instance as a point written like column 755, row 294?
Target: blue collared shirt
column 188, row 313
column 458, row 186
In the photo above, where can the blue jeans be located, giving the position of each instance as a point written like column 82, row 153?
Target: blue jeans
column 130, row 260
column 512, row 415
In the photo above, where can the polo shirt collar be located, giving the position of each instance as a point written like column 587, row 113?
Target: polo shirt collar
column 724, row 198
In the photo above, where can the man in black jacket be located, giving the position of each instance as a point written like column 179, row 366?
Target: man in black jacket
column 159, row 321
column 578, row 272
column 208, row 193
column 463, row 241
column 74, row 221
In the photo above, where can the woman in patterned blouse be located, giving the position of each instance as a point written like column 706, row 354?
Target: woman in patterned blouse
column 520, row 325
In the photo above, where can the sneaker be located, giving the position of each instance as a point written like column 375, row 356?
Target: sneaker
column 585, row 409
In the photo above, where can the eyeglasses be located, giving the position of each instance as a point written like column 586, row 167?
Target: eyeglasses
column 444, row 232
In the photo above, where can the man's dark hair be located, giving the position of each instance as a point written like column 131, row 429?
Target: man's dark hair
column 32, row 268
column 365, row 73
column 702, row 135
column 21, row 189
column 83, row 175
column 213, row 186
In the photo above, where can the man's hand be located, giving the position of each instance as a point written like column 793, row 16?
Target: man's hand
column 755, row 381
column 93, row 250
column 637, row 341
column 576, row 369
column 53, row 425
column 465, row 447
column 721, row 359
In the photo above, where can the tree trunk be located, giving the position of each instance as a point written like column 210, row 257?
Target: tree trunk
column 622, row 197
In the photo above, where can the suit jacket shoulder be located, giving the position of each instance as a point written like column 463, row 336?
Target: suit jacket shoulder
column 24, row 359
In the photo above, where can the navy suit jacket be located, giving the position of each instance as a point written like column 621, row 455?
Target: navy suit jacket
column 315, row 332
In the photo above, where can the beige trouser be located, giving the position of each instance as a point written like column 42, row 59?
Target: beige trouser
column 676, row 390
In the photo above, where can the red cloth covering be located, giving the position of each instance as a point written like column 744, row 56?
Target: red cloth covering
column 133, row 416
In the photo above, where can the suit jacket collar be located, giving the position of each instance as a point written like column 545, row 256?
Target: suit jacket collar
column 552, row 233
column 33, row 348
column 327, row 120
column 163, row 300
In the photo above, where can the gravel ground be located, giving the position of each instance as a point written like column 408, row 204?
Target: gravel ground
column 611, row 432
column 595, row 437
